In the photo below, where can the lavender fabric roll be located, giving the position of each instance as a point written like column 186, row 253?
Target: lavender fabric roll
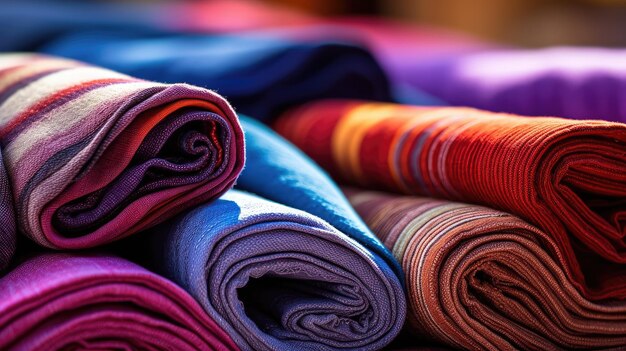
column 581, row 83
column 277, row 278
column 7, row 219
column 97, row 302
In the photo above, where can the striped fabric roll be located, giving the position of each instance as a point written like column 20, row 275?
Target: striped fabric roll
column 568, row 177
column 94, row 155
column 7, row 219
column 99, row 302
column 478, row 278
column 276, row 278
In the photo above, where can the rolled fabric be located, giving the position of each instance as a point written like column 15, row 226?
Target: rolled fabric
column 7, row 219
column 94, row 155
column 260, row 74
column 582, row 83
column 277, row 278
column 276, row 170
column 567, row 177
column 95, row 301
column 481, row 279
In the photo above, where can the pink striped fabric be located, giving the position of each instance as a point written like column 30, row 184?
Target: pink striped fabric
column 94, row 155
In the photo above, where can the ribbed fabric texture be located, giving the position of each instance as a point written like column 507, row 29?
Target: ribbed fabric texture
column 276, row 170
column 479, row 278
column 94, row 155
column 7, row 219
column 98, row 302
column 260, row 75
column 567, row 177
column 582, row 83
column 277, row 278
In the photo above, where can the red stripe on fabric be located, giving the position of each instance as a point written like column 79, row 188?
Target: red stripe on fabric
column 4, row 131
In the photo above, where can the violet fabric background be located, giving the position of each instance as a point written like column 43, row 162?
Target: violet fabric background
column 277, row 278
column 581, row 83
column 97, row 301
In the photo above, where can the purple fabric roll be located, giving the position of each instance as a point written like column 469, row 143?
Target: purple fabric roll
column 277, row 278
column 7, row 219
column 581, row 83
column 98, row 302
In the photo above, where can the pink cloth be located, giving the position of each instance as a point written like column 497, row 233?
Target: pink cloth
column 62, row 301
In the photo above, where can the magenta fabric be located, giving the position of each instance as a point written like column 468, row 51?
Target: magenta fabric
column 98, row 302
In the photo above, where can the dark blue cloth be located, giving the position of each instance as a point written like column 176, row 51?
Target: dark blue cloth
column 260, row 75
column 277, row 170
column 28, row 25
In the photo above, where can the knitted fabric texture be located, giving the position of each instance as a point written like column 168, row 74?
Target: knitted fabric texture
column 94, row 155
column 92, row 301
column 7, row 219
column 479, row 278
column 567, row 177
column 277, row 278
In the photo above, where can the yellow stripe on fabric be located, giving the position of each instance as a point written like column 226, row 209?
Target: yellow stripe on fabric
column 349, row 134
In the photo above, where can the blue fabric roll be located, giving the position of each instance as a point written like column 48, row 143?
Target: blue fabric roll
column 275, row 169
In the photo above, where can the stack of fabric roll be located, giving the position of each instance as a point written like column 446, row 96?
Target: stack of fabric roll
column 139, row 211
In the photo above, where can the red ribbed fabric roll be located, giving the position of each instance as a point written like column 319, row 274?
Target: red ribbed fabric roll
column 567, row 177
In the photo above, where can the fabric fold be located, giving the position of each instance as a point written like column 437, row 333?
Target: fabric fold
column 260, row 74
column 96, row 301
column 7, row 219
column 479, row 278
column 276, row 170
column 94, row 155
column 567, row 177
column 277, row 278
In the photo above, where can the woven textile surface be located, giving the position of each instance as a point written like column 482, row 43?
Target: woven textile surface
column 97, row 301
column 277, row 278
column 479, row 278
column 94, row 155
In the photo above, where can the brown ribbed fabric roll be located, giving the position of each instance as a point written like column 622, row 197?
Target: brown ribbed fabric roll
column 478, row 278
